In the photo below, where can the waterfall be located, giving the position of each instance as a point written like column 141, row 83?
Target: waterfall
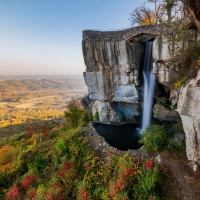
column 149, row 85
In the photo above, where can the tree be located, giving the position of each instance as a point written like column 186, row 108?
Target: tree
column 74, row 113
column 193, row 6
column 143, row 16
column 164, row 11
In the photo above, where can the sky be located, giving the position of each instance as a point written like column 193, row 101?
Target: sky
column 43, row 37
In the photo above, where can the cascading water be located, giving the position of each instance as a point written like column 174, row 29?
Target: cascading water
column 149, row 86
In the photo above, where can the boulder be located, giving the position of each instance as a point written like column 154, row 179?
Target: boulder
column 86, row 102
column 189, row 110
column 106, row 112
column 164, row 114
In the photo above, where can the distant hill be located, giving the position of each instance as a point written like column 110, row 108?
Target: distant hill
column 15, row 89
column 21, row 77
column 34, row 84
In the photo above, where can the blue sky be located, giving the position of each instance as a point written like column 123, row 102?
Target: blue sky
column 44, row 36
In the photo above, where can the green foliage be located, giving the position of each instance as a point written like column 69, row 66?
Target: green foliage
column 179, row 82
column 181, row 150
column 178, row 127
column 60, row 145
column 74, row 113
column 40, row 163
column 73, row 170
column 155, row 137
column 96, row 116
column 87, row 117
column 147, row 185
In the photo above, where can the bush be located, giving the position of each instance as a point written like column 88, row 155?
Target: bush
column 156, row 138
column 7, row 154
column 40, row 163
column 74, row 113
column 60, row 146
column 87, row 117
column 148, row 181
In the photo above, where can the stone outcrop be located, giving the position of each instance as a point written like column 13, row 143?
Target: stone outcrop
column 166, row 54
column 189, row 110
column 113, row 75
column 165, row 114
column 113, row 71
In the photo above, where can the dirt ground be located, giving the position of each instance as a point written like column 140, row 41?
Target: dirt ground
column 179, row 181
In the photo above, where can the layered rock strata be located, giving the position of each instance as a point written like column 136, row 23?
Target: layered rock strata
column 113, row 70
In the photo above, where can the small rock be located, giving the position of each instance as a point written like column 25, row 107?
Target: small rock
column 100, row 144
column 194, row 165
column 146, row 155
column 158, row 159
column 134, row 153
column 178, row 139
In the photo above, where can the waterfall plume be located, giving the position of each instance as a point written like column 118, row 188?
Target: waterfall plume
column 149, row 86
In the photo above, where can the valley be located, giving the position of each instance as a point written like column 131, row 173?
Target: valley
column 39, row 99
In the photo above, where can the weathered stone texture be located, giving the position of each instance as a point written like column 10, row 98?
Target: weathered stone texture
column 113, row 71
column 167, row 63
column 189, row 110
column 164, row 114
column 106, row 112
column 124, row 34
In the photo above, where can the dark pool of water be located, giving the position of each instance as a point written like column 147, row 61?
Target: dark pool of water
column 123, row 136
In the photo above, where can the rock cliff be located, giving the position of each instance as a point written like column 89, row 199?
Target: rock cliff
column 114, row 63
column 113, row 71
column 189, row 110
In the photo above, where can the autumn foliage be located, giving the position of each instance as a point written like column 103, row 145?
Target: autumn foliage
column 37, row 128
column 7, row 154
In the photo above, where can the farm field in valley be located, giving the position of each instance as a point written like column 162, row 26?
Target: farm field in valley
column 24, row 101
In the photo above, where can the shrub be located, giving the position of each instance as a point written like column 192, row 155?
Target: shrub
column 148, row 181
column 155, row 137
column 179, row 82
column 7, row 154
column 60, row 146
column 37, row 128
column 87, row 117
column 178, row 128
column 13, row 193
column 40, row 163
column 28, row 180
column 74, row 113
column 82, row 192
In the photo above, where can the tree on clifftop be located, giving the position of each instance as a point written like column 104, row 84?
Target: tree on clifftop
column 164, row 11
column 142, row 15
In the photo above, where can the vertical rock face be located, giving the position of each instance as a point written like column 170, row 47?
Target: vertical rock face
column 189, row 110
column 166, row 50
column 112, row 74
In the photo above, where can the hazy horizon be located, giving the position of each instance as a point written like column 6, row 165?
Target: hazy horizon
column 44, row 37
